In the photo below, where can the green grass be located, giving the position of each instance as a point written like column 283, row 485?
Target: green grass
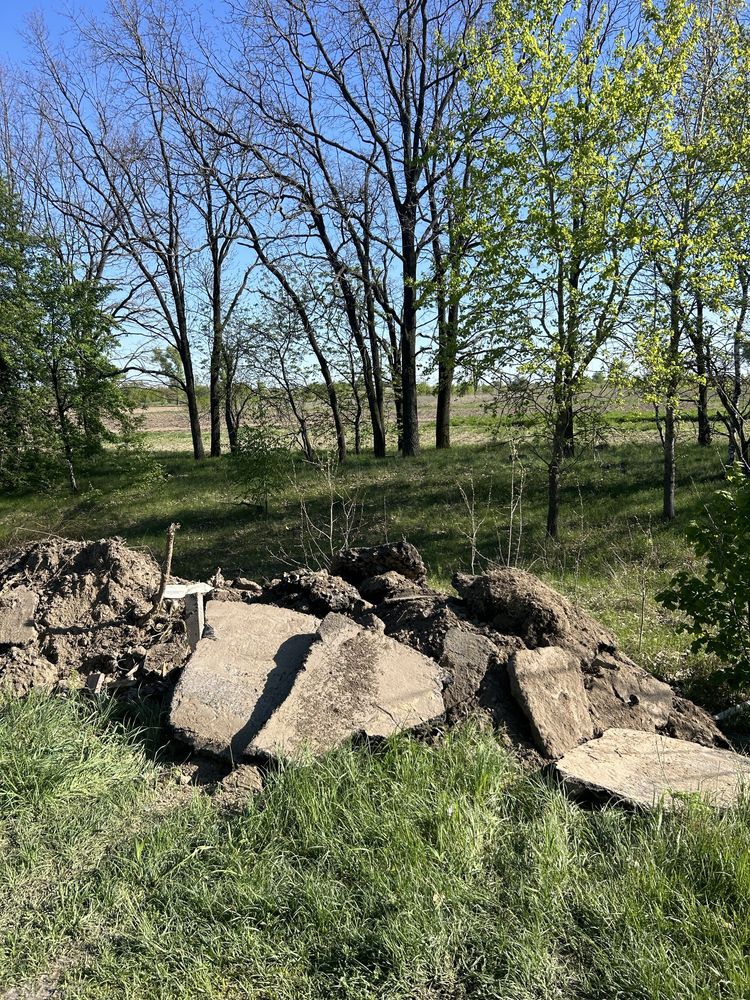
column 413, row 871
column 408, row 872
column 613, row 555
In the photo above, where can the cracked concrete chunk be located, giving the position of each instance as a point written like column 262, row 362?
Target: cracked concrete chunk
column 548, row 685
column 624, row 696
column 233, row 682
column 644, row 769
column 17, row 610
column 354, row 680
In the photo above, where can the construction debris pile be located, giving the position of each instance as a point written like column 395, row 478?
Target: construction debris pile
column 311, row 659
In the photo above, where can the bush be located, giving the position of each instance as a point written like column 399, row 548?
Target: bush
column 717, row 602
column 264, row 461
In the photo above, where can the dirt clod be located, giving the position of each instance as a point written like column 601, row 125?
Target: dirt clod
column 85, row 600
column 356, row 565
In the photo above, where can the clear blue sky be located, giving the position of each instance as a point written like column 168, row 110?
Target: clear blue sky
column 13, row 14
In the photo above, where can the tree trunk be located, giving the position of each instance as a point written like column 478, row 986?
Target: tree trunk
column 670, row 465
column 217, row 351
column 195, row 419
column 394, row 360
column 736, row 394
column 64, row 430
column 554, row 472
column 704, row 423
column 448, row 342
column 410, row 415
column 569, row 445
column 553, row 496
column 670, row 421
column 443, row 414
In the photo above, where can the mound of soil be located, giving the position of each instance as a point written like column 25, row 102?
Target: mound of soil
column 510, row 649
column 80, row 605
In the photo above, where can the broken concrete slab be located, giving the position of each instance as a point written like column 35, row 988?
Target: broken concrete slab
column 643, row 770
column 625, row 696
column 548, row 685
column 17, row 609
column 232, row 683
column 195, row 618
column 354, row 680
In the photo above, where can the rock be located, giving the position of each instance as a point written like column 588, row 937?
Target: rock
column 477, row 685
column 249, row 586
column 515, row 602
column 94, row 683
column 354, row 680
column 687, row 721
column 315, row 592
column 623, row 695
column 179, row 591
column 242, row 782
column 644, row 769
column 17, row 610
column 387, row 586
column 548, row 685
column 233, row 683
column 356, row 565
column 195, row 615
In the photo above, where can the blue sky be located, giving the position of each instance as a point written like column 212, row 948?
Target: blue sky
column 13, row 14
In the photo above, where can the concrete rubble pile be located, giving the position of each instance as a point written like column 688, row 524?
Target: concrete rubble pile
column 306, row 661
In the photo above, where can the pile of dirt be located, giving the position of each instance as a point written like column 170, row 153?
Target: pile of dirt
column 70, row 611
column 508, row 648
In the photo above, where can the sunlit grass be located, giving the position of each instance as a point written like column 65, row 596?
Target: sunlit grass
column 411, row 871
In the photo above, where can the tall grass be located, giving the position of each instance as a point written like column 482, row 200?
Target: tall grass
column 411, row 871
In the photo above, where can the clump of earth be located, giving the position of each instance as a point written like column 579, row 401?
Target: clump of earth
column 73, row 610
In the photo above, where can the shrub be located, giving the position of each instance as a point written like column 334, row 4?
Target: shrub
column 716, row 602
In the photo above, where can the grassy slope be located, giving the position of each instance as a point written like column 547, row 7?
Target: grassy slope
column 613, row 555
column 412, row 872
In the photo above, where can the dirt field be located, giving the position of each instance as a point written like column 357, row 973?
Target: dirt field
column 167, row 427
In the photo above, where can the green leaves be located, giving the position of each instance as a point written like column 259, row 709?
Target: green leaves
column 60, row 395
column 716, row 601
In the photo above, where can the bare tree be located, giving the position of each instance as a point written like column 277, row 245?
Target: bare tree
column 363, row 88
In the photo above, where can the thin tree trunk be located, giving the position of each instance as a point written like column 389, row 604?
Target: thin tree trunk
column 410, row 414
column 554, row 471
column 446, row 369
column 217, row 351
column 64, row 431
column 670, row 420
column 670, row 464
column 704, row 422
column 193, row 411
column 737, row 366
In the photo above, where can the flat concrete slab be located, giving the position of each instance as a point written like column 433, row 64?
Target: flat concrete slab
column 232, row 683
column 548, row 685
column 644, row 769
column 17, row 609
column 354, row 680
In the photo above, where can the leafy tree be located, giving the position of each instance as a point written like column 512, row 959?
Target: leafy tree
column 61, row 398
column 717, row 600
column 569, row 98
